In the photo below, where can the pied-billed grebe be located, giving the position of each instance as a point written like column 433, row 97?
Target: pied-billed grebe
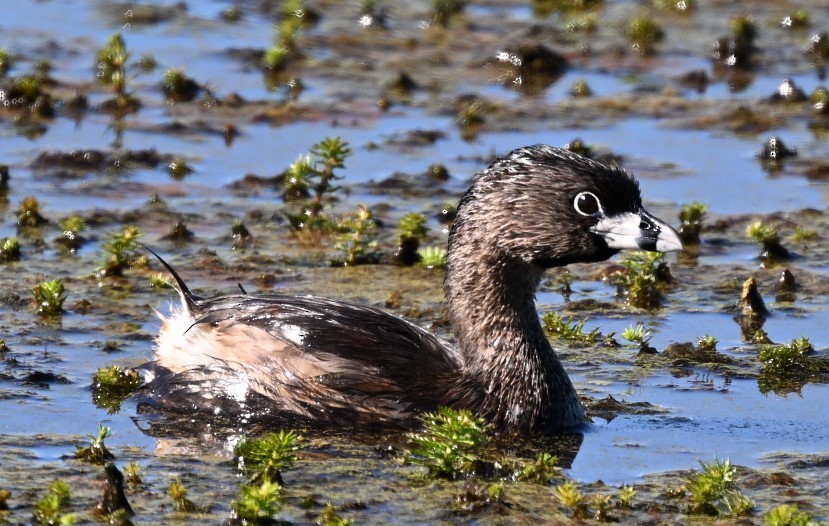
column 329, row 361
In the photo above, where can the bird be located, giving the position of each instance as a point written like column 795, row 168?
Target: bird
column 329, row 362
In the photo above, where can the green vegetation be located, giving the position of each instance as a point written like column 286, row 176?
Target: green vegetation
column 680, row 6
column 9, row 249
column 411, row 231
column 179, row 169
column 789, row 515
column 432, row 257
column 28, row 213
column 49, row 298
column 787, row 359
column 571, row 496
column 111, row 69
column 712, row 491
column 70, row 239
column 265, row 457
column 626, row 496
column 178, row 87
column 259, row 503
column 330, row 517
column 581, row 89
column 692, row 218
column 450, row 442
column 96, row 452
column 5, row 61
column 644, row 34
column 132, row 474
column 641, row 280
column 123, row 251
column 708, row 343
column 49, row 509
column 569, row 330
column 583, row 23
column 356, row 238
column 767, row 236
column 111, row 385
column 178, row 492
column 311, row 182
column 640, row 336
column 542, row 471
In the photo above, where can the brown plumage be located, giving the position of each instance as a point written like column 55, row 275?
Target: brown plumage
column 326, row 361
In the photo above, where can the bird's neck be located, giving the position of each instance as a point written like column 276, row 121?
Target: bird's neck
column 511, row 376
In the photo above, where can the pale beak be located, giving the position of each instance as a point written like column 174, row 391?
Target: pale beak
column 640, row 231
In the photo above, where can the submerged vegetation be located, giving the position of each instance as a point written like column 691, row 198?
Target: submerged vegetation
column 450, row 443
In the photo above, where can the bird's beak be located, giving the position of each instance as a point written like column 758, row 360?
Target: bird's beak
column 638, row 231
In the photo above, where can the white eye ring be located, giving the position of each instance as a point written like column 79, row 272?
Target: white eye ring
column 587, row 204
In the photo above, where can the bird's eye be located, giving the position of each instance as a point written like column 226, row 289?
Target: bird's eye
column 587, row 204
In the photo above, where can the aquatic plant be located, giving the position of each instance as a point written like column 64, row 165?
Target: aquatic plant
column 542, row 470
column 123, row 251
column 449, row 443
column 680, row 6
column 330, row 517
column 805, row 235
column 692, row 218
column 602, row 505
column 626, row 496
column 178, row 492
column 708, row 343
column 313, row 177
column 571, row 496
column 767, row 236
column 259, row 503
column 96, row 452
column 444, row 10
column 644, row 34
column 787, row 359
column 556, row 326
column 712, row 491
column 179, row 234
column 470, row 118
column 265, row 457
column 132, row 474
column 9, row 249
column 581, row 89
column 240, row 234
column 5, row 495
column 789, row 515
column 147, row 63
column 179, row 168
column 5, row 61
column 111, row 70
column 641, row 336
column 49, row 508
column 799, row 19
column 432, row 257
column 49, row 298
column 356, row 238
column 178, row 87
column 70, row 239
column 583, row 24
column 640, row 282
column 411, row 231
column 111, row 385
column 28, row 213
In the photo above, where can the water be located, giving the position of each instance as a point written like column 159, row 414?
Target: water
column 705, row 415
